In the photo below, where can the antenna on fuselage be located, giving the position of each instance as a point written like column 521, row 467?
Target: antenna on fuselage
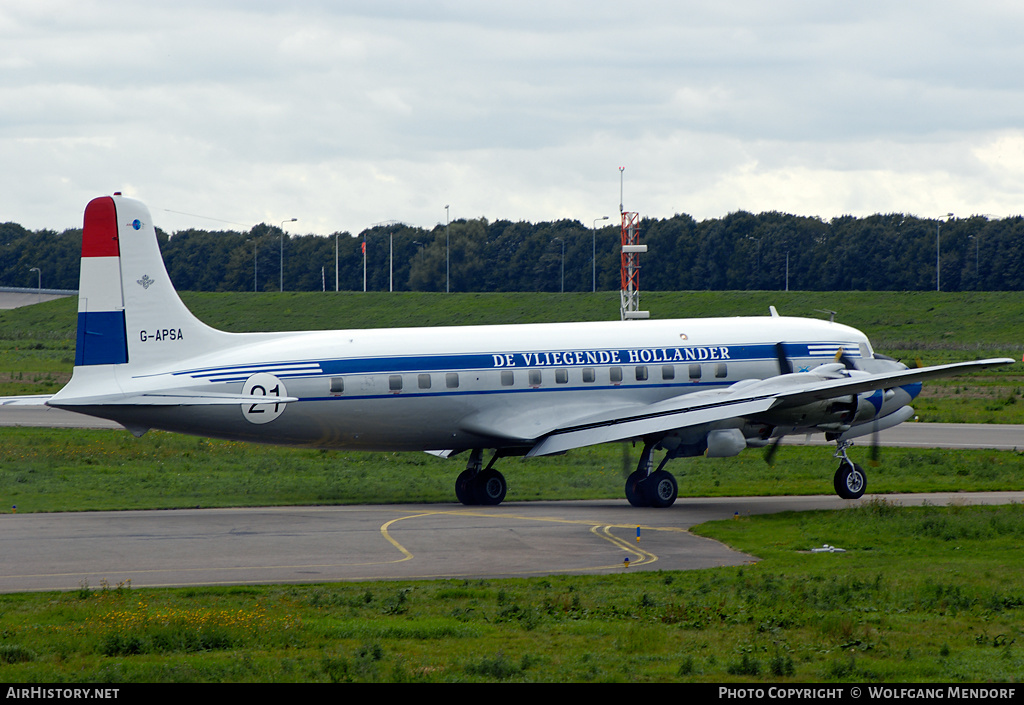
column 831, row 314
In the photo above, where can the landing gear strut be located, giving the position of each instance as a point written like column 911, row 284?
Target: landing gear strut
column 480, row 487
column 850, row 480
column 651, row 489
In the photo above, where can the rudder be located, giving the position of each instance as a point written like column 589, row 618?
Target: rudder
column 102, row 336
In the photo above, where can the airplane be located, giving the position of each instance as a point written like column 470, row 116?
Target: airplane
column 689, row 387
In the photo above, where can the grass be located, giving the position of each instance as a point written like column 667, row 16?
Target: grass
column 859, row 616
column 50, row 470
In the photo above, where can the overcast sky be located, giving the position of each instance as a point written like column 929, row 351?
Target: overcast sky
column 347, row 114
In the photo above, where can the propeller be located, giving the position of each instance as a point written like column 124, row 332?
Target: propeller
column 842, row 357
column 771, row 450
column 874, row 455
column 785, row 366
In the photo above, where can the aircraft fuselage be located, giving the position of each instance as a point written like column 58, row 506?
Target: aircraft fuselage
column 461, row 387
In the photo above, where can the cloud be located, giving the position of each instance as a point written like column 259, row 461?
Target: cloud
column 351, row 114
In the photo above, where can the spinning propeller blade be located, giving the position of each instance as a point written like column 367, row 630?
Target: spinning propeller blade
column 785, row 366
column 770, row 451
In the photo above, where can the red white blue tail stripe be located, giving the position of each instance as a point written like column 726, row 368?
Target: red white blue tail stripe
column 102, row 337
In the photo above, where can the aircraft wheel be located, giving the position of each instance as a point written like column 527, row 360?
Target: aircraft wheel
column 464, row 488
column 635, row 489
column 850, row 481
column 661, row 489
column 489, row 487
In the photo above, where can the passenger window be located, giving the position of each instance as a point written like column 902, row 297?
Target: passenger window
column 337, row 385
column 721, row 370
column 641, row 373
column 508, row 378
column 588, row 374
column 535, row 378
column 615, row 373
column 395, row 383
column 561, row 376
column 694, row 371
column 668, row 372
column 424, row 381
column 451, row 380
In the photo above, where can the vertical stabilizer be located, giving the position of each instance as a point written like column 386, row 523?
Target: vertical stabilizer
column 128, row 310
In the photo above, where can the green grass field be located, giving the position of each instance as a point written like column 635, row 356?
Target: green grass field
column 50, row 470
column 922, row 594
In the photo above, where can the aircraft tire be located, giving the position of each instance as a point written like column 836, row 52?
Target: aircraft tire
column 850, row 481
column 489, row 488
column 661, row 489
column 464, row 488
column 635, row 489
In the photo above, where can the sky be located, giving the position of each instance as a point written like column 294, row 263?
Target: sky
column 221, row 114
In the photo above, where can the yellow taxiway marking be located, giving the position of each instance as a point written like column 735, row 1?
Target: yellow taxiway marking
column 642, row 557
column 603, row 531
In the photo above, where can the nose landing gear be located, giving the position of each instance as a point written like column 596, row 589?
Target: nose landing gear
column 850, row 480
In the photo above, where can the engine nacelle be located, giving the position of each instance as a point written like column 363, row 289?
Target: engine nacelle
column 725, row 443
column 836, row 414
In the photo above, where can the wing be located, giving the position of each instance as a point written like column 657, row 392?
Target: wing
column 740, row 400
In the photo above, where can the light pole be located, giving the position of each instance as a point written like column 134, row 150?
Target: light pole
column 336, row 260
column 621, row 170
column 563, row 263
column 280, row 285
column 938, row 229
column 447, row 254
column 39, row 283
column 593, row 253
column 254, row 270
column 757, row 260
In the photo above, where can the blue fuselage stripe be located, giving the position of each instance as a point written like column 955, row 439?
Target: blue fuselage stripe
column 530, row 360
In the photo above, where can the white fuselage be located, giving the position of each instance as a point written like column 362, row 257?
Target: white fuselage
column 458, row 387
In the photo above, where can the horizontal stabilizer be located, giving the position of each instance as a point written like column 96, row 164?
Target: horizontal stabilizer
column 26, row 400
column 170, row 399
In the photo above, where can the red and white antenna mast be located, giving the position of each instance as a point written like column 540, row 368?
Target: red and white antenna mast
column 629, row 308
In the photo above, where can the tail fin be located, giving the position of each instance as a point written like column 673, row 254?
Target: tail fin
column 128, row 310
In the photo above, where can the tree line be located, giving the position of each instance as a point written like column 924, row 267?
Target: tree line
column 741, row 251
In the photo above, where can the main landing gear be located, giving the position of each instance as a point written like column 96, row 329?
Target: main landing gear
column 850, row 480
column 480, row 487
column 651, row 489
